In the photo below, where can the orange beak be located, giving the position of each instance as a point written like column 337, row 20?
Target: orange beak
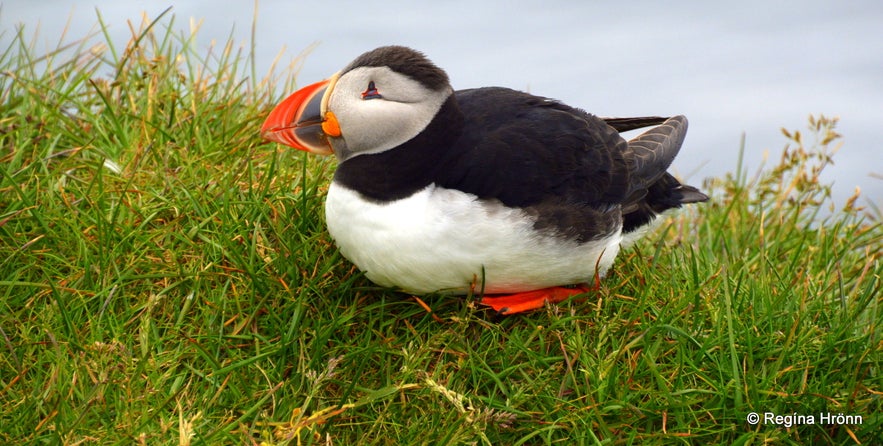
column 302, row 120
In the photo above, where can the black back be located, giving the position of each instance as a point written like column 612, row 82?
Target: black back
column 570, row 169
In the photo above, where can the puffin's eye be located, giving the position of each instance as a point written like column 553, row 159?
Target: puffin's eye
column 371, row 92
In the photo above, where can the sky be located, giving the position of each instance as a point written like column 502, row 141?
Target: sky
column 736, row 68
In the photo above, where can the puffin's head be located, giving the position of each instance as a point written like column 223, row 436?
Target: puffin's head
column 380, row 100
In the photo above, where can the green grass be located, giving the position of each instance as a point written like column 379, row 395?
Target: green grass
column 166, row 278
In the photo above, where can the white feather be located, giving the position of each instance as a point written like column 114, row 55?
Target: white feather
column 632, row 237
column 445, row 240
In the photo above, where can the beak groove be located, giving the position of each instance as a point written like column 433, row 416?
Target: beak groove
column 298, row 121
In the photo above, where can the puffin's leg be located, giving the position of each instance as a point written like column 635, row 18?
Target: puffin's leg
column 530, row 300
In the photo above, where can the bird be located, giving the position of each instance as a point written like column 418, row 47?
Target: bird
column 520, row 198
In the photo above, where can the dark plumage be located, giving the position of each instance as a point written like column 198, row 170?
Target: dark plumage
column 489, row 188
column 405, row 61
column 569, row 168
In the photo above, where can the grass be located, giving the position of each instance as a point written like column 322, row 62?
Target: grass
column 166, row 278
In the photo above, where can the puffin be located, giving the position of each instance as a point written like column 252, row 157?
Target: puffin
column 515, row 198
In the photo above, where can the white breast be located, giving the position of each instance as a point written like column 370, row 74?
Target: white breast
column 444, row 240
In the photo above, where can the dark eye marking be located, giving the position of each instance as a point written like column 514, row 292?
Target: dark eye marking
column 371, row 92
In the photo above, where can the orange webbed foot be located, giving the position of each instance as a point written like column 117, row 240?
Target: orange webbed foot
column 507, row 304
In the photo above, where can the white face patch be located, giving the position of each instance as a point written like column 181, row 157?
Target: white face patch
column 405, row 107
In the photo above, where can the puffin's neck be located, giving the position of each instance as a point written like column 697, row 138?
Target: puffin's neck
column 399, row 172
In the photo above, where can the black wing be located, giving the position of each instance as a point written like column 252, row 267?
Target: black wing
column 571, row 168
column 523, row 149
column 652, row 190
column 626, row 124
column 561, row 164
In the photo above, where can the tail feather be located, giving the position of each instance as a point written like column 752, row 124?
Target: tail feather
column 651, row 189
column 666, row 193
column 626, row 124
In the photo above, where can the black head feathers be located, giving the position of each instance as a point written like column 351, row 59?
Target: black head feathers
column 407, row 61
